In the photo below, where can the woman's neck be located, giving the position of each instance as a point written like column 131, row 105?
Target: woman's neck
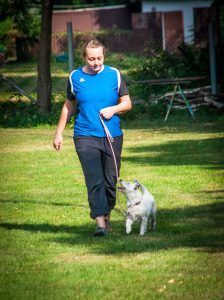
column 90, row 71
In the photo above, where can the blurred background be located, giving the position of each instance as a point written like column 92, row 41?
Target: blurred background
column 145, row 40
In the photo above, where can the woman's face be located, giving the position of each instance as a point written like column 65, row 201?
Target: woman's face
column 94, row 59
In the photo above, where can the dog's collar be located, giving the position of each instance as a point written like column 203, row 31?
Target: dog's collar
column 135, row 204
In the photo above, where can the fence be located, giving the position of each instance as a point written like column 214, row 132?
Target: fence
column 20, row 72
column 21, row 75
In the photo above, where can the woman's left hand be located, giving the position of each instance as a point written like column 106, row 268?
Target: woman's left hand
column 107, row 112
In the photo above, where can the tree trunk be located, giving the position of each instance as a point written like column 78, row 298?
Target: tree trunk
column 44, row 60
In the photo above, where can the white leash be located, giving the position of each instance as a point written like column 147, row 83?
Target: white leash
column 110, row 141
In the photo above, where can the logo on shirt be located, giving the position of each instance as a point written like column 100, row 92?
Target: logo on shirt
column 81, row 79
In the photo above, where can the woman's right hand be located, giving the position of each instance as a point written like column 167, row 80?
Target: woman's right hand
column 57, row 143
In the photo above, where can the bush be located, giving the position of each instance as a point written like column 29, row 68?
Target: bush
column 189, row 61
column 25, row 114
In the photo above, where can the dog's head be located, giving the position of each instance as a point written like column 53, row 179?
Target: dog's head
column 128, row 187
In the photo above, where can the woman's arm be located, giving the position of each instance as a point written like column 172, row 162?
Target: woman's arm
column 67, row 112
column 124, row 105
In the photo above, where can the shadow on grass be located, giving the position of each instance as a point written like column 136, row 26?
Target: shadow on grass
column 204, row 152
column 47, row 203
column 198, row 227
column 206, row 121
column 21, row 114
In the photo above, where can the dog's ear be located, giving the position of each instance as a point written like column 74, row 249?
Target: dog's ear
column 137, row 184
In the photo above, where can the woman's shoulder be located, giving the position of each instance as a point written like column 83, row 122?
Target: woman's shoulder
column 75, row 72
column 107, row 67
column 112, row 69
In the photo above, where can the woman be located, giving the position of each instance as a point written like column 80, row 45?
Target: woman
column 98, row 90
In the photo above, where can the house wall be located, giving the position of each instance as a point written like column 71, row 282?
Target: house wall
column 163, row 29
column 149, row 25
column 187, row 8
column 173, row 30
column 87, row 20
column 162, row 23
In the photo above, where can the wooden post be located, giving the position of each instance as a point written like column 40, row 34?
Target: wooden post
column 70, row 46
column 212, row 56
column 163, row 31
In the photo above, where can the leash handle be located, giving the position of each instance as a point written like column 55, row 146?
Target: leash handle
column 108, row 134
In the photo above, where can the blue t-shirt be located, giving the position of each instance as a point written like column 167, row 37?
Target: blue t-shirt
column 92, row 93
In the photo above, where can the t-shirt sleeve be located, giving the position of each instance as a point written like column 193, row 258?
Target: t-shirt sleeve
column 123, row 90
column 70, row 95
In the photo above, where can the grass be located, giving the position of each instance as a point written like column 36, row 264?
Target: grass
column 47, row 249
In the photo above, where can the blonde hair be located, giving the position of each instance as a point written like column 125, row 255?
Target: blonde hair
column 94, row 43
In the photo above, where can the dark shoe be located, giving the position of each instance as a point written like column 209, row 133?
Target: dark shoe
column 100, row 231
column 108, row 226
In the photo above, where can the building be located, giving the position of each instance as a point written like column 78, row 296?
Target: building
column 92, row 19
column 175, row 21
column 163, row 23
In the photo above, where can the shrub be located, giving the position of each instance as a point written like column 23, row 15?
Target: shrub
column 187, row 62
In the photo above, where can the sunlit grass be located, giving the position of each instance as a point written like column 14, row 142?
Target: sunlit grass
column 47, row 249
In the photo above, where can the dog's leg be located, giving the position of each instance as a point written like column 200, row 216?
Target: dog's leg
column 153, row 219
column 144, row 225
column 129, row 223
column 153, row 223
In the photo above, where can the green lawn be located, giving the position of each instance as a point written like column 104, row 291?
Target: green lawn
column 47, row 248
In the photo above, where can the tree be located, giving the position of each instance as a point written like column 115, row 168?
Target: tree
column 44, row 59
column 24, row 15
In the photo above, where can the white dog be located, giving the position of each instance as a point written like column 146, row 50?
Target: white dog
column 140, row 205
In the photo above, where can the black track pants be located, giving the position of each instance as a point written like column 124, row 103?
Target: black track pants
column 99, row 170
